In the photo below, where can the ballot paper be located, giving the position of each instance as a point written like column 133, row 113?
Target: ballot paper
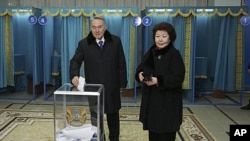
column 81, row 84
column 83, row 133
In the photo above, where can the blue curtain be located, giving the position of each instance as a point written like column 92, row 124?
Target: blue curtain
column 71, row 34
column 207, row 44
column 21, row 47
column 62, row 42
column 6, row 50
column 114, row 24
column 28, row 41
column 52, row 46
column 224, row 78
column 217, row 40
column 37, row 53
column 3, row 66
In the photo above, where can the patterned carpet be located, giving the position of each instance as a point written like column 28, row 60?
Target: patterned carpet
column 39, row 126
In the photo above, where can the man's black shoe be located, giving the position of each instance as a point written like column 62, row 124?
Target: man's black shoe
column 247, row 107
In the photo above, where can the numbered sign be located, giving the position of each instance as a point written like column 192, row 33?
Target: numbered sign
column 146, row 21
column 136, row 21
column 32, row 19
column 42, row 20
column 245, row 20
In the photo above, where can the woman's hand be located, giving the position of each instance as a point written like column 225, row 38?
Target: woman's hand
column 154, row 81
column 141, row 77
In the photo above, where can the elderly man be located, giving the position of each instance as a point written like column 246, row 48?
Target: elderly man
column 104, row 63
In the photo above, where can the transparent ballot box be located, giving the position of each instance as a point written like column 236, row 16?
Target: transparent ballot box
column 72, row 118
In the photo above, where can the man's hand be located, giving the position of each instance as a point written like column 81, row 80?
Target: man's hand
column 75, row 81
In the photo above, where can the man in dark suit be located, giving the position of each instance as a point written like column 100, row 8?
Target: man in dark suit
column 103, row 64
column 247, row 107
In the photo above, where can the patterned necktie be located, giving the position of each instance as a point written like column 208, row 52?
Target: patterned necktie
column 100, row 44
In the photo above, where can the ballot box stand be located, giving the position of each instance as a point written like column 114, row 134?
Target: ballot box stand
column 72, row 120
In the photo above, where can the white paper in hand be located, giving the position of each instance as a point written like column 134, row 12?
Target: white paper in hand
column 81, row 84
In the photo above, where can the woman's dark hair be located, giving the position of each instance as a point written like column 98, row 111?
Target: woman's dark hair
column 165, row 27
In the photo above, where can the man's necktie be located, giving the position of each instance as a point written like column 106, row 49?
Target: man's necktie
column 100, row 44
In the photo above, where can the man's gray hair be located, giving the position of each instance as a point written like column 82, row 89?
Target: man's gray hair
column 98, row 18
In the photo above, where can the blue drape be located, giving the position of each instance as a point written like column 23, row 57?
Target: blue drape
column 28, row 41
column 216, row 40
column 224, row 78
column 62, row 42
column 71, row 34
column 21, row 48
column 52, row 46
column 3, row 66
column 207, row 44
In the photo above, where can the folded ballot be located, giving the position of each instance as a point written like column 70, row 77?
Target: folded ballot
column 81, row 84
column 84, row 133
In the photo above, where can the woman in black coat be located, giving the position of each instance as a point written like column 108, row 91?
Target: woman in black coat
column 162, row 73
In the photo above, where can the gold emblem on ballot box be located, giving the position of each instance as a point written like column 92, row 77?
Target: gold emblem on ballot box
column 76, row 115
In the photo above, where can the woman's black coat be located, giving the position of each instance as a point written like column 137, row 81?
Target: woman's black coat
column 102, row 66
column 161, row 105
